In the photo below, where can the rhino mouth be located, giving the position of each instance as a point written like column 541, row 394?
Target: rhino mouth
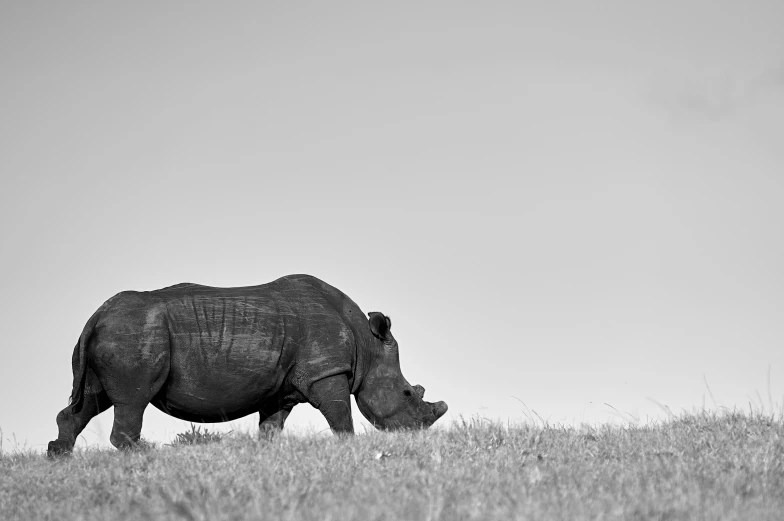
column 435, row 411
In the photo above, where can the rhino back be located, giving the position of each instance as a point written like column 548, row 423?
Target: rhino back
column 225, row 337
column 249, row 342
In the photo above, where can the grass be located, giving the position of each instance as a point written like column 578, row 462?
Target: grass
column 704, row 466
column 196, row 436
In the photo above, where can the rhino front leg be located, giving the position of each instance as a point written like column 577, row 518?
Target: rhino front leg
column 331, row 396
column 271, row 419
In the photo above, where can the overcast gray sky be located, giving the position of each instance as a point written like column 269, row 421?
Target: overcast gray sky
column 567, row 204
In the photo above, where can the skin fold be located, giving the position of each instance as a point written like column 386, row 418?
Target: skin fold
column 208, row 354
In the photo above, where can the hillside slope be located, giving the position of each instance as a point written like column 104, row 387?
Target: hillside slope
column 708, row 466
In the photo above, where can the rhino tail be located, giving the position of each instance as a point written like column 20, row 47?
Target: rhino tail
column 79, row 363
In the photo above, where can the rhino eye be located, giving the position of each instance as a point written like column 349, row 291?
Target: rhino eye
column 407, row 392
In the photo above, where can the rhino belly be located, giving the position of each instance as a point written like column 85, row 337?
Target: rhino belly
column 209, row 382
column 207, row 405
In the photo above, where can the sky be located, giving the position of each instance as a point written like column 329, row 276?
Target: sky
column 571, row 211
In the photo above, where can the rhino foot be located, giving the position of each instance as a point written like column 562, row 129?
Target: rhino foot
column 58, row 449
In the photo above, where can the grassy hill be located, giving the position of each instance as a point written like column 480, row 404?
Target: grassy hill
column 707, row 466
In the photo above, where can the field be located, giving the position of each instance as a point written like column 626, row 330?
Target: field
column 703, row 466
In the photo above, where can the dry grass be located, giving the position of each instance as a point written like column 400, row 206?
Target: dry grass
column 706, row 466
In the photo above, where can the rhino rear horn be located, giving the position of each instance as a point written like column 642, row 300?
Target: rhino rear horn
column 379, row 324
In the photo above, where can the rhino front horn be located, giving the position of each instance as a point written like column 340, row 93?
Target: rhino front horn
column 439, row 409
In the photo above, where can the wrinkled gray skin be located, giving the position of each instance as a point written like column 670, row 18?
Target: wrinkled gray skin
column 217, row 354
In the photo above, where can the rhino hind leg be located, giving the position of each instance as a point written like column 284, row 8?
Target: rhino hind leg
column 131, row 397
column 71, row 424
column 127, row 427
column 133, row 375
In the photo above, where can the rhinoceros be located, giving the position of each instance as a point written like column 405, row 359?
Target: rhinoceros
column 208, row 354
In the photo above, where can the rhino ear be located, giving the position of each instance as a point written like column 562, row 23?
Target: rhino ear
column 379, row 324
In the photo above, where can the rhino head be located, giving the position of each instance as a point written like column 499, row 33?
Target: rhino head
column 385, row 398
